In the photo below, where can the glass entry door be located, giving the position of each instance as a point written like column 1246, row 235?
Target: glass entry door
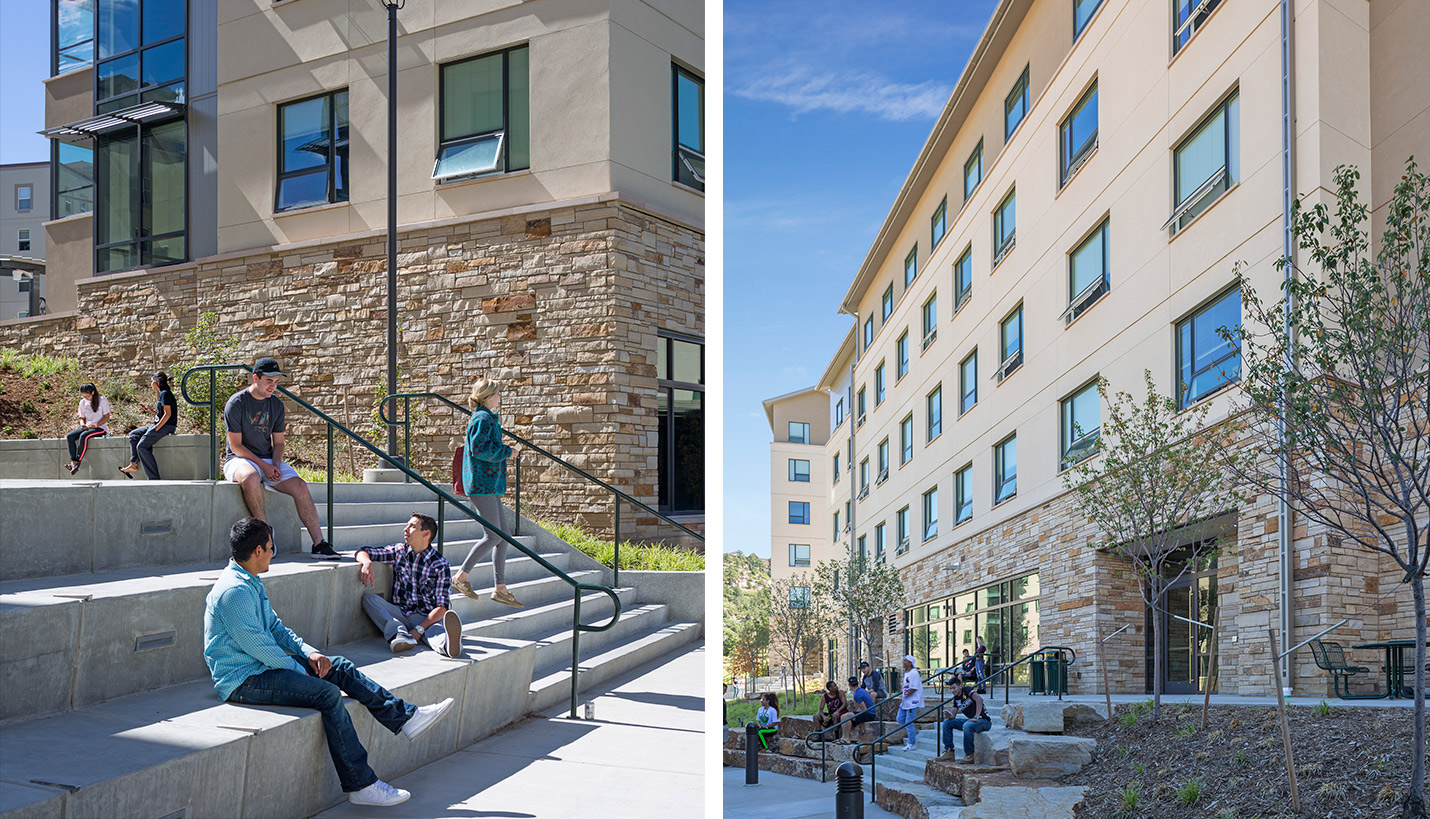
column 1186, row 647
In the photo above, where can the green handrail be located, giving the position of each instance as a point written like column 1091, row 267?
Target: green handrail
column 617, row 494
column 443, row 497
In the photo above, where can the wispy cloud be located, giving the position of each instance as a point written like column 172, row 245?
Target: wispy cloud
column 805, row 89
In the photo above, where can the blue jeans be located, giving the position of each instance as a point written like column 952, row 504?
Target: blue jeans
column 969, row 726
column 283, row 686
column 141, row 447
column 906, row 719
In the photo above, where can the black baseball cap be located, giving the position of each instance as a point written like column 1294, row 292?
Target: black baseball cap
column 853, row 680
column 864, row 664
column 267, row 366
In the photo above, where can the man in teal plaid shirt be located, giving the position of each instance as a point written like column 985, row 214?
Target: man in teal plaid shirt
column 256, row 660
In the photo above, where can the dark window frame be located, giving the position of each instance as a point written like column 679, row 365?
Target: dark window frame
column 505, row 129
column 911, row 266
column 974, row 159
column 938, row 224
column 968, row 383
column 1082, row 444
column 1071, row 157
column 1004, row 240
column 799, row 516
column 795, row 475
column 1001, row 478
column 961, row 294
column 667, row 386
column 332, row 161
column 963, row 496
column 933, row 413
column 1019, row 93
column 1184, row 397
column 683, row 167
column 1078, row 5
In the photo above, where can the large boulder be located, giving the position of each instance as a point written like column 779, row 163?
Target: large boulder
column 991, row 747
column 1017, row 802
column 1043, row 717
column 1048, row 757
column 1077, row 715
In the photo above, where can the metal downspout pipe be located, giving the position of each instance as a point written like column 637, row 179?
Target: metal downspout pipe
column 854, row 630
column 1288, row 167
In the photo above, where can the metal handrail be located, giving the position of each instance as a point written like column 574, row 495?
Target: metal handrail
column 944, row 700
column 406, row 425
column 823, row 742
column 443, row 497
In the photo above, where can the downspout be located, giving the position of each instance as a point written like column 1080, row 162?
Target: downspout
column 1288, row 168
column 853, row 499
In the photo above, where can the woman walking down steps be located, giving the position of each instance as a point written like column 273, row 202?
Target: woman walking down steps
column 484, row 479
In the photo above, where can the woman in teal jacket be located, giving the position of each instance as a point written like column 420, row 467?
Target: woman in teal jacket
column 484, row 478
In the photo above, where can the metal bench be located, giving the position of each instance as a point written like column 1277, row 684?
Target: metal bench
column 1332, row 658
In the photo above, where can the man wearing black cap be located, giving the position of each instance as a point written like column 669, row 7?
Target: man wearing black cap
column 873, row 681
column 254, row 419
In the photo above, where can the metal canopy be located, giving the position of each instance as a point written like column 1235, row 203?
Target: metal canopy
column 114, row 120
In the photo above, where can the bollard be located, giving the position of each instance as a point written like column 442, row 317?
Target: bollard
column 849, row 793
column 752, row 755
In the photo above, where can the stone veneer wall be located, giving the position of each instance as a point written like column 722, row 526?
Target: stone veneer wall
column 562, row 304
column 52, row 335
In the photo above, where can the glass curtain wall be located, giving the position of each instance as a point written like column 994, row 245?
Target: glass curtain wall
column 1005, row 615
column 680, row 363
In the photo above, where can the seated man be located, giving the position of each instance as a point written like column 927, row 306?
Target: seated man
column 974, row 720
column 861, row 706
column 873, row 681
column 420, row 598
column 255, row 422
column 256, row 660
column 832, row 707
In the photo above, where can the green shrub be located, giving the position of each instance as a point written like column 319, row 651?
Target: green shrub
column 743, row 711
column 1190, row 791
column 634, row 556
column 33, row 365
column 1139, row 768
column 1323, row 709
column 1129, row 796
column 27, row 406
column 29, row 433
column 1187, row 730
column 1129, row 718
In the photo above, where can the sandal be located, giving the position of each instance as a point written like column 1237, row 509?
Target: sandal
column 130, row 469
column 72, row 466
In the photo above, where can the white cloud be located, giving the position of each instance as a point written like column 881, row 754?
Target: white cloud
column 805, row 89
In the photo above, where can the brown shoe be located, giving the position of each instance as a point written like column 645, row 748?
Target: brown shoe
column 505, row 598
column 967, row 760
column 465, row 588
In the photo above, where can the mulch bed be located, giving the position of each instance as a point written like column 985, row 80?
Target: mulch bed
column 31, row 409
column 1351, row 763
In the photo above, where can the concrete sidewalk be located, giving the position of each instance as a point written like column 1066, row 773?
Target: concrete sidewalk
column 785, row 797
column 642, row 757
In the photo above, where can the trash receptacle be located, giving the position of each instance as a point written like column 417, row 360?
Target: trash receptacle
column 1056, row 673
column 1037, row 675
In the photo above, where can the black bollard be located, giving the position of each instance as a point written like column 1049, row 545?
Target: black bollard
column 752, row 755
column 849, row 792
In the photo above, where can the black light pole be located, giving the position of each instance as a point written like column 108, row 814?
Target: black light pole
column 392, row 7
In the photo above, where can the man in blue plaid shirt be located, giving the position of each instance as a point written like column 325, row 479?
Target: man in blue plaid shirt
column 420, row 599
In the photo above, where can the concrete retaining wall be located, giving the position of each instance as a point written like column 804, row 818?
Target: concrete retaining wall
column 180, row 458
column 683, row 592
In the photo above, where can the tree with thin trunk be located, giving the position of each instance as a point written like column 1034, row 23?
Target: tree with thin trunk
column 797, row 623
column 1340, row 364
column 746, row 609
column 1153, row 488
column 861, row 592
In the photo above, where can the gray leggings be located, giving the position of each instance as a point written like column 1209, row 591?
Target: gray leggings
column 489, row 507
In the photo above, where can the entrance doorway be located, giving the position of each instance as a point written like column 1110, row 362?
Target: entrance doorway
column 1185, row 647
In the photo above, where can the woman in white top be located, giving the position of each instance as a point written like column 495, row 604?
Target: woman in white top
column 767, row 719
column 93, row 422
column 913, row 700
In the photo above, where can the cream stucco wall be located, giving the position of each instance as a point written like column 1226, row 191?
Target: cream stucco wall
column 810, row 406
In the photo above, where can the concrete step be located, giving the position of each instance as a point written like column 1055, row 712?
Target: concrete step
column 371, row 492
column 915, row 800
column 348, row 513
column 553, row 652
column 357, row 536
column 180, row 752
column 542, row 619
column 554, row 688
column 544, row 590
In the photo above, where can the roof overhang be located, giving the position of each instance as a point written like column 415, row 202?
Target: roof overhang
column 22, row 263
column 769, row 403
column 114, row 120
column 1220, row 527
column 834, row 373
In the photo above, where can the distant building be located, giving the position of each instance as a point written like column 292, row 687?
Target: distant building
column 24, row 209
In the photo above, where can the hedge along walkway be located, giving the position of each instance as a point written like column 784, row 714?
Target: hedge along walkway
column 634, row 556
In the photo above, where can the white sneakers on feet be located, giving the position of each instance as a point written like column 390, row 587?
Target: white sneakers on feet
column 402, row 643
column 426, row 717
column 452, row 627
column 380, row 794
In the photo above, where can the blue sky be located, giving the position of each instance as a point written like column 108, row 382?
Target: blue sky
column 826, row 107
column 24, row 65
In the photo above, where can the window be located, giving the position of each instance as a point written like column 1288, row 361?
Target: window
column 963, row 495
column 864, row 475
column 883, row 456
column 1087, row 273
column 906, row 439
column 1205, row 361
column 22, row 240
column 935, row 412
column 312, row 152
column 901, row 362
column 688, row 111
column 863, row 556
column 799, row 554
column 848, row 516
column 799, row 597
column 1082, row 12
column 1010, row 342
column 1015, row 106
column 1079, row 133
column 1004, row 227
column 930, row 313
column 973, row 171
column 901, row 519
column 879, row 540
column 931, row 514
column 1004, row 615
column 799, row 512
column 74, row 35
column 1187, row 19
column 680, row 427
column 868, row 332
column 963, row 279
column 861, row 404
column 836, row 467
column 839, row 412
column 24, row 197
column 1206, row 164
column 1081, row 414
column 911, row 267
column 879, row 384
column 799, row 434
column 73, row 180
column 968, row 382
column 484, row 116
column 886, row 304
column 836, row 526
column 938, row 223
column 1005, row 469
column 798, row 470
column 142, row 53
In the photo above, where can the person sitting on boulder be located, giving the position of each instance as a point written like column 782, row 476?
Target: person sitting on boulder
column 967, row 714
column 420, row 600
column 862, row 708
column 767, row 719
column 873, row 681
column 832, row 707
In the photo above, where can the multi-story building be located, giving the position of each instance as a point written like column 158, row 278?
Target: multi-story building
column 550, row 199
column 24, row 208
column 1078, row 211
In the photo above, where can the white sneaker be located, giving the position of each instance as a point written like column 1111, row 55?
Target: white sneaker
column 425, row 718
column 401, row 643
column 380, row 794
column 452, row 626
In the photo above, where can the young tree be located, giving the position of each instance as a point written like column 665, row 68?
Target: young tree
column 798, row 622
column 1340, row 361
column 859, row 592
column 1152, row 487
column 746, row 598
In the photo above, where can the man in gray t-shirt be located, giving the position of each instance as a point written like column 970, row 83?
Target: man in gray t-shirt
column 254, row 421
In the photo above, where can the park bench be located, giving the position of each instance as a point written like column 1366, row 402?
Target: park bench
column 1332, row 658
